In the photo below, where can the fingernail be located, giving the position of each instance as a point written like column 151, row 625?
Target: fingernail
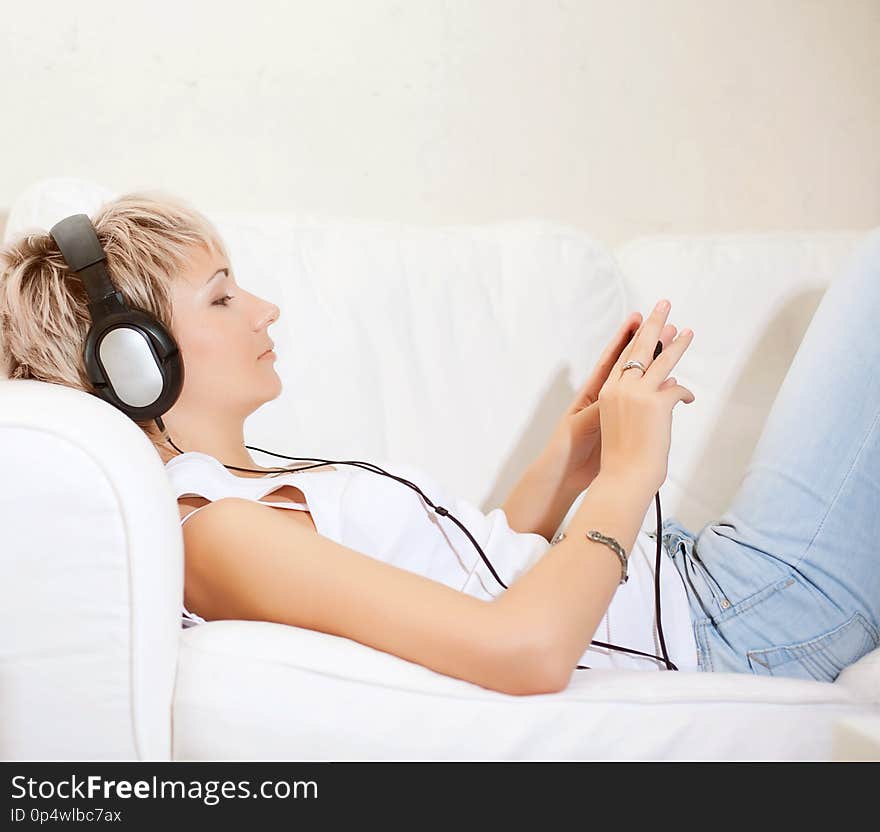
column 662, row 306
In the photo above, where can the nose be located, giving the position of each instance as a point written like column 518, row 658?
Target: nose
column 270, row 316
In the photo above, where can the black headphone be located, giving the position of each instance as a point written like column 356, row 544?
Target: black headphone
column 134, row 364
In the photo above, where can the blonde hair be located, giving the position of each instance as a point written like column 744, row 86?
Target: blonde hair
column 44, row 316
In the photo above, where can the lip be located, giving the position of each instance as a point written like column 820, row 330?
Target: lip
column 267, row 354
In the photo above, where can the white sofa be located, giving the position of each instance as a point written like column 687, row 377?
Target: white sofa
column 453, row 349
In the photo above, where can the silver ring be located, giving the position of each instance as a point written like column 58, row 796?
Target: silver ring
column 633, row 364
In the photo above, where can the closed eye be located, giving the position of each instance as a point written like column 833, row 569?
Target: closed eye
column 224, row 301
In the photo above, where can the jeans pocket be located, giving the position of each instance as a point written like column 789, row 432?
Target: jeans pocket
column 822, row 657
column 721, row 600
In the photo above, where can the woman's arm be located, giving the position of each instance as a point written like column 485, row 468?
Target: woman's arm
column 566, row 593
column 244, row 560
column 541, row 499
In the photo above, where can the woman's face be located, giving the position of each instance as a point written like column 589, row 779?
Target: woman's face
column 221, row 330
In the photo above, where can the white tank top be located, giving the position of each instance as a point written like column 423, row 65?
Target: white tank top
column 387, row 520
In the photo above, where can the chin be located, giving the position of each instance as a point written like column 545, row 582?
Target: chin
column 280, row 388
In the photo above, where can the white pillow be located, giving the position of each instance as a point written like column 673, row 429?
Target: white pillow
column 47, row 201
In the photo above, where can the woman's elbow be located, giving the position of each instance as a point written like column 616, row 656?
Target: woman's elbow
column 527, row 667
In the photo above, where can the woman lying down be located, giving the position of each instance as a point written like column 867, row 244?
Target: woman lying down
column 785, row 584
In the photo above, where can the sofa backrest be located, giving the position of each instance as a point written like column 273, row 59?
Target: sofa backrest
column 451, row 349
column 749, row 299
column 455, row 349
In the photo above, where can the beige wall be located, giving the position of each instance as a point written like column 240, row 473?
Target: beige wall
column 621, row 117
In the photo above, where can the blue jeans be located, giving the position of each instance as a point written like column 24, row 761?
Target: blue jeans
column 787, row 582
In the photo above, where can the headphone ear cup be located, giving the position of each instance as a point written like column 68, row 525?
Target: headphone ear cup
column 134, row 364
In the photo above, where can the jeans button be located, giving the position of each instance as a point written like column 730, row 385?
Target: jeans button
column 724, row 603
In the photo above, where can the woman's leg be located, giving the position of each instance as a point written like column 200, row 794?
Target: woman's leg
column 787, row 582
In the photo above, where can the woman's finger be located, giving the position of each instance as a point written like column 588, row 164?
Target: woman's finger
column 642, row 344
column 667, row 359
column 590, row 388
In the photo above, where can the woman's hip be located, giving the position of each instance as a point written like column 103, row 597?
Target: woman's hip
column 765, row 617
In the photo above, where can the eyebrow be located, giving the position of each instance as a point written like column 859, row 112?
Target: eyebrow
column 218, row 272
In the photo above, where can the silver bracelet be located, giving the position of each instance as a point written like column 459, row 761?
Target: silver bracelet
column 608, row 541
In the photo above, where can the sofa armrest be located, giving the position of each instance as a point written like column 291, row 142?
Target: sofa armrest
column 91, row 580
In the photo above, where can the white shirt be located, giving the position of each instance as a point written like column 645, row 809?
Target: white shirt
column 387, row 520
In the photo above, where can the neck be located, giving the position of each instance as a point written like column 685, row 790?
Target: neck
column 223, row 442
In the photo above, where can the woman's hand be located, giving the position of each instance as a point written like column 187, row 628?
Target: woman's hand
column 636, row 405
column 575, row 446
